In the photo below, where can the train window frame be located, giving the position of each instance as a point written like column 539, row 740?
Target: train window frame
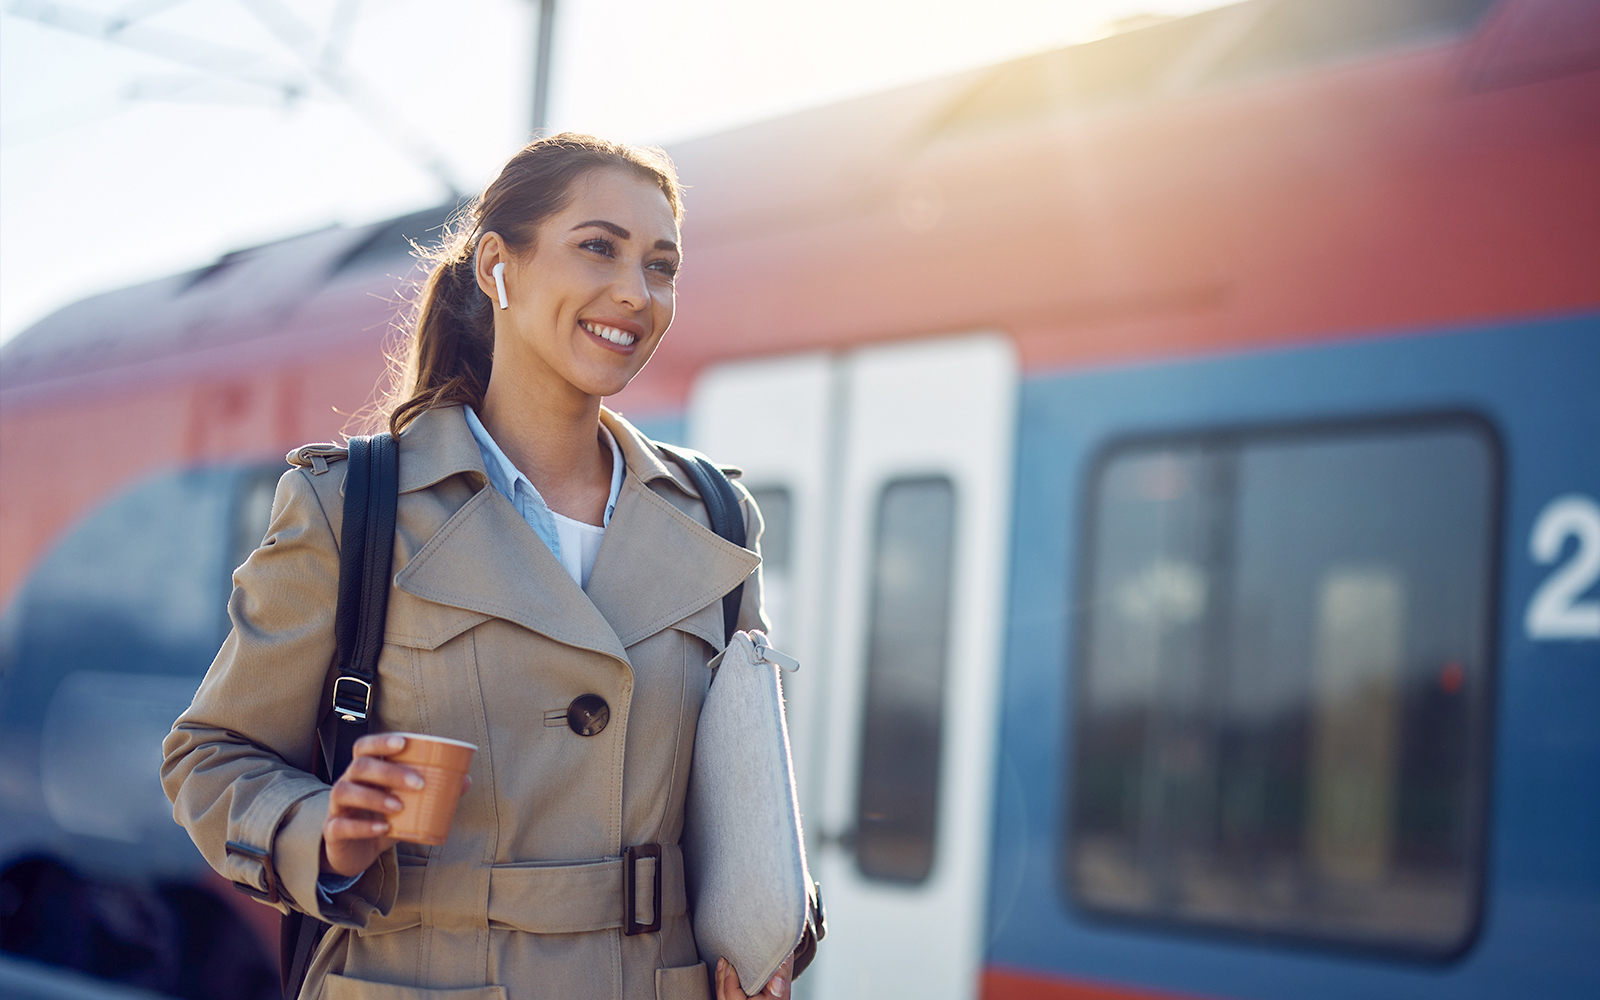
column 1480, row 729
column 879, row 868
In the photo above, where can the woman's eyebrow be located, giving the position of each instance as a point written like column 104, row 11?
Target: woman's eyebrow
column 610, row 227
column 620, row 233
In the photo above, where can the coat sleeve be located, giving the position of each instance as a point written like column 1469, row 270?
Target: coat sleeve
column 752, row 613
column 237, row 763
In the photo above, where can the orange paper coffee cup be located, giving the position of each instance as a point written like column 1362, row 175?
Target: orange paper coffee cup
column 428, row 811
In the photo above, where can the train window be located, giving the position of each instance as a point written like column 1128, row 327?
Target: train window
column 907, row 645
column 1283, row 680
column 776, row 572
column 776, row 515
column 139, row 583
column 105, row 645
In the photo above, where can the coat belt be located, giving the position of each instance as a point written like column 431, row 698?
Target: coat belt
column 542, row 898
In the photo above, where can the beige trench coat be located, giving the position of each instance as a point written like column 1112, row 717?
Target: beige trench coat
column 488, row 640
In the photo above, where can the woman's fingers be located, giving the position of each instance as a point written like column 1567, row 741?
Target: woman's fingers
column 356, row 829
column 777, row 987
column 377, row 771
column 350, row 843
column 378, row 745
column 352, row 828
column 348, row 795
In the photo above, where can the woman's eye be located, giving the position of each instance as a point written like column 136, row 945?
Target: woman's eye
column 599, row 246
column 665, row 267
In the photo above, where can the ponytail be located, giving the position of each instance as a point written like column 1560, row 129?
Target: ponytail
column 451, row 347
column 450, row 331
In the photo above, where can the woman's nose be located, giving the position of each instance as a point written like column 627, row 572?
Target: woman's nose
column 630, row 289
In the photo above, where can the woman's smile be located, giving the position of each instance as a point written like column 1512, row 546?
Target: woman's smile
column 618, row 334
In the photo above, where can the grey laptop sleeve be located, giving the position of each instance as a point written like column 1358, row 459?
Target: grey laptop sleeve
column 744, row 857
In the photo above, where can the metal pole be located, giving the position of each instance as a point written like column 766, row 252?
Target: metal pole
column 541, row 66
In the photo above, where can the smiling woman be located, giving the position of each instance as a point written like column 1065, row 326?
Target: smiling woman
column 558, row 593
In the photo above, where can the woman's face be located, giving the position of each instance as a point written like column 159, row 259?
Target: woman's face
column 591, row 301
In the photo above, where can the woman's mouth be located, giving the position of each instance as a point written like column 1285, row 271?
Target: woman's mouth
column 608, row 333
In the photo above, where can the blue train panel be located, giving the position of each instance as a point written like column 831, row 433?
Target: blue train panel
column 1302, row 685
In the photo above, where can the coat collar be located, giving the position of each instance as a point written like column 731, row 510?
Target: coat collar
column 656, row 566
column 435, row 446
column 438, row 444
column 641, row 456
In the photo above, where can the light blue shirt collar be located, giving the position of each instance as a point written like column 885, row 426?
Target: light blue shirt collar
column 517, row 488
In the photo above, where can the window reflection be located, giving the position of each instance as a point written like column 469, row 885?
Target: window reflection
column 1282, row 684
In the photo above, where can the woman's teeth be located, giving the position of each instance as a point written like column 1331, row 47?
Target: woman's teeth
column 610, row 333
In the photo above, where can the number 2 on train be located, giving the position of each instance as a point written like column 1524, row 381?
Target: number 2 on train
column 1556, row 612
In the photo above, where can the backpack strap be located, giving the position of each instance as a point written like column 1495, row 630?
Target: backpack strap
column 366, row 554
column 722, row 510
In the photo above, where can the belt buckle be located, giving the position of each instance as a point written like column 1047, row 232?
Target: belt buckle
column 630, row 878
column 270, row 896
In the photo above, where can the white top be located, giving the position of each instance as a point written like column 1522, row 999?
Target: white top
column 580, row 543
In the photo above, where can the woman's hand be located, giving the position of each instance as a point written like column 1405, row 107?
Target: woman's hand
column 353, row 835
column 728, row 981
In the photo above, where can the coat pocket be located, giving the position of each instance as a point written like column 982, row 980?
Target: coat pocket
column 337, row 987
column 689, row 982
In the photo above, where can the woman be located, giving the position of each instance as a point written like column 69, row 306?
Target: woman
column 545, row 552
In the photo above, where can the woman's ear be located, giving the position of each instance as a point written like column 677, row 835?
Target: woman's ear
column 492, row 250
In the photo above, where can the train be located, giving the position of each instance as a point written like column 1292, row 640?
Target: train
column 1180, row 453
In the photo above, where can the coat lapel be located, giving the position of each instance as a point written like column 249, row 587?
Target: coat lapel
column 487, row 559
column 657, row 565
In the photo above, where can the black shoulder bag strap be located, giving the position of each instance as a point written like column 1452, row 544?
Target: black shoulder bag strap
column 722, row 509
column 366, row 551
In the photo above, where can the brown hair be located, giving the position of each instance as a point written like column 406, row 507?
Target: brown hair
column 449, row 346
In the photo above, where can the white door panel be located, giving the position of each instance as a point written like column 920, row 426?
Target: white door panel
column 924, row 431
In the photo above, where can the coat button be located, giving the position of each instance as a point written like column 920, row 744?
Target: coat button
column 588, row 714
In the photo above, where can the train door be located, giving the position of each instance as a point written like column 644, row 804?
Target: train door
column 895, row 465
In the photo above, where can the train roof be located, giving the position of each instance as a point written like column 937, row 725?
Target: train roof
column 244, row 295
column 785, row 170
column 768, row 176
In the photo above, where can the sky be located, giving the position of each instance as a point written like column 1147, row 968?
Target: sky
column 139, row 138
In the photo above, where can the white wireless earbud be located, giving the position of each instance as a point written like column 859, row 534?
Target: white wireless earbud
column 500, row 283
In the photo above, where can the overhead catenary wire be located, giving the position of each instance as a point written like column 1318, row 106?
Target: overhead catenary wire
column 301, row 40
column 124, row 30
column 320, row 58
